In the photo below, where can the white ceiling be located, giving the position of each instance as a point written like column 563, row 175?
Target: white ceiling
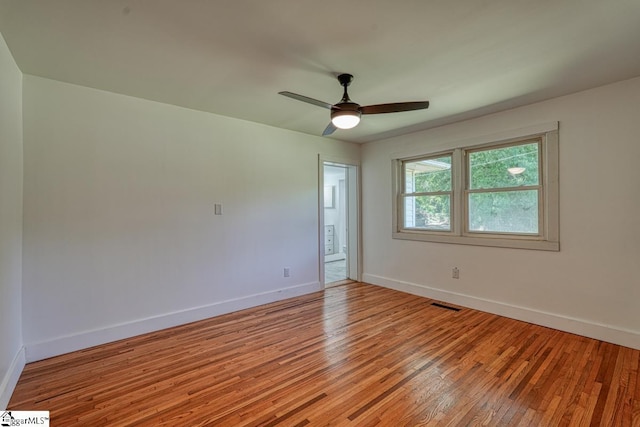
column 232, row 57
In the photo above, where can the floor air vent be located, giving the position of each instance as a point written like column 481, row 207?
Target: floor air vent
column 437, row 304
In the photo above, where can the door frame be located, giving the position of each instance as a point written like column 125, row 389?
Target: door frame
column 354, row 216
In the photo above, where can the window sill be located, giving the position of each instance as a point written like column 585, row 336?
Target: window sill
column 496, row 242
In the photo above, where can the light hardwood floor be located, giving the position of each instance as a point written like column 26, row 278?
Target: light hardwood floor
column 351, row 355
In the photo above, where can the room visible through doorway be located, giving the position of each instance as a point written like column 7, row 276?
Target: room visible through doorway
column 339, row 223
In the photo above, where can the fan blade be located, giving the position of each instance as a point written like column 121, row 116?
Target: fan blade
column 394, row 107
column 329, row 129
column 306, row 99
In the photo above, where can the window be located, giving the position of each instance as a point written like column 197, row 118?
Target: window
column 502, row 193
column 427, row 193
column 503, row 189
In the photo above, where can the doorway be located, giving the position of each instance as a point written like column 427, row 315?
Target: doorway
column 339, row 225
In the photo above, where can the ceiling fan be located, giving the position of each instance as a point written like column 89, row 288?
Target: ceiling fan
column 346, row 113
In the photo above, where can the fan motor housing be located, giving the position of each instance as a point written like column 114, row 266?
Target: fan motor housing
column 345, row 108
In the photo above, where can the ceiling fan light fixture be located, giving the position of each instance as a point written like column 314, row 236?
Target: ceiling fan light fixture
column 346, row 113
column 345, row 119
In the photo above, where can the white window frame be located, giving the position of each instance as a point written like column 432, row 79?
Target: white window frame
column 404, row 192
column 548, row 193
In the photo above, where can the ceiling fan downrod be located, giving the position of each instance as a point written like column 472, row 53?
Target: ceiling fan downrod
column 345, row 80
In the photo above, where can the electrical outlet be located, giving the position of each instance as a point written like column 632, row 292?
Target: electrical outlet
column 455, row 273
column 287, row 272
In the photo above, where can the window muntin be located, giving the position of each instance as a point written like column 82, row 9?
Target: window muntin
column 427, row 193
column 503, row 194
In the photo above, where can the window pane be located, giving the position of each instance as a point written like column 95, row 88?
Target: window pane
column 504, row 212
column 428, row 175
column 511, row 166
column 428, row 212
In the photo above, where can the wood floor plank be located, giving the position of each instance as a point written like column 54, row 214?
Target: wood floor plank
column 352, row 355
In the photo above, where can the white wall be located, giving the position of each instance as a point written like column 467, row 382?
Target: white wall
column 11, row 353
column 120, row 235
column 592, row 286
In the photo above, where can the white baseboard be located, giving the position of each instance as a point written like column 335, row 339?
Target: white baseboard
column 65, row 344
column 624, row 337
column 10, row 379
